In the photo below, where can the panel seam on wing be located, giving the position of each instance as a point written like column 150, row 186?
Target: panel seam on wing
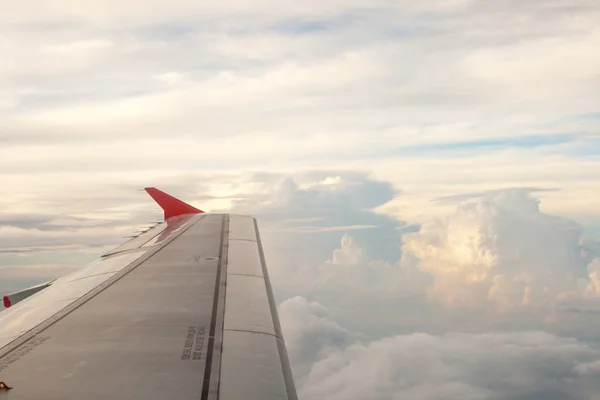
column 91, row 276
column 251, row 331
column 249, row 275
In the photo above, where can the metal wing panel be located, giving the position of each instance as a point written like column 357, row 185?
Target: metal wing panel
column 244, row 258
column 192, row 317
column 247, row 305
column 140, row 240
column 254, row 365
column 251, row 367
column 156, row 235
column 41, row 306
column 144, row 336
column 241, row 227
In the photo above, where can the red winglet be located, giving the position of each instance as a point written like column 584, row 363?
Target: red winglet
column 7, row 303
column 173, row 207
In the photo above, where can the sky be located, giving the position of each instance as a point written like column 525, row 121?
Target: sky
column 425, row 174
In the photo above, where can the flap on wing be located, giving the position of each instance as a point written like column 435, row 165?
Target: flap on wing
column 14, row 298
column 172, row 206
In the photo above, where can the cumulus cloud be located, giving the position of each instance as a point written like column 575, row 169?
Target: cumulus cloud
column 325, row 205
column 593, row 287
column 348, row 254
column 501, row 250
column 499, row 256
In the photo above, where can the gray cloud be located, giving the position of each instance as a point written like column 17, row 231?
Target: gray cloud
column 309, row 334
column 523, row 365
column 502, row 366
column 17, row 277
column 332, row 200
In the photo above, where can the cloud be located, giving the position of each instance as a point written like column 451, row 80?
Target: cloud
column 309, row 334
column 522, row 365
column 511, row 265
column 517, row 67
column 79, row 46
column 335, row 123
column 330, row 362
column 462, row 197
column 17, row 277
column 340, row 85
column 593, row 269
column 329, row 200
column 69, row 235
column 499, row 250
column 348, row 254
column 258, row 63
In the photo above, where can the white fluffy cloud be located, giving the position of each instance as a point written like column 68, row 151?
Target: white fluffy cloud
column 593, row 287
column 496, row 255
column 348, row 254
column 500, row 249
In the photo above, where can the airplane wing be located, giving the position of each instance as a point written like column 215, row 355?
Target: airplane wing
column 185, row 310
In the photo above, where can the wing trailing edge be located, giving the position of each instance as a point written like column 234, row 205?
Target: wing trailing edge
column 172, row 206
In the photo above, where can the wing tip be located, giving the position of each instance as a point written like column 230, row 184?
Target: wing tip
column 172, row 206
column 7, row 302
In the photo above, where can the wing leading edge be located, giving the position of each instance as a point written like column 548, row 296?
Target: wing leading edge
column 186, row 312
